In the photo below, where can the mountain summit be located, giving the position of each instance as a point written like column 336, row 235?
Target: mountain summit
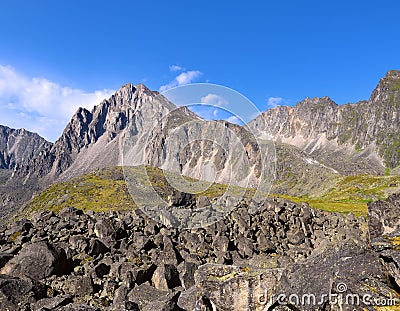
column 17, row 147
column 352, row 138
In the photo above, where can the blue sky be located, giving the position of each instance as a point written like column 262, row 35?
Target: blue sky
column 58, row 55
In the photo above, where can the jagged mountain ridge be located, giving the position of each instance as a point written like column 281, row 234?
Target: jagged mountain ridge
column 18, row 146
column 352, row 138
column 97, row 138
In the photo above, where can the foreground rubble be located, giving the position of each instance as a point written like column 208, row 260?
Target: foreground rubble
column 261, row 257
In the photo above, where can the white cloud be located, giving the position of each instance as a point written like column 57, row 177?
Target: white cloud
column 188, row 77
column 176, row 68
column 40, row 105
column 215, row 100
column 205, row 112
column 274, row 101
column 235, row 120
column 182, row 79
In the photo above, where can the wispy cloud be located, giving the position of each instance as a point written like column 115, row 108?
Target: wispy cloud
column 205, row 112
column 182, row 79
column 272, row 102
column 214, row 100
column 176, row 68
column 235, row 120
column 40, row 105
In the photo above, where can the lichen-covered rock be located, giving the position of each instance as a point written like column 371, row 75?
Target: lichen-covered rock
column 232, row 287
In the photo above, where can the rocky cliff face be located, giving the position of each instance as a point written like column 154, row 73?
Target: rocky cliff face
column 18, row 147
column 352, row 138
column 298, row 173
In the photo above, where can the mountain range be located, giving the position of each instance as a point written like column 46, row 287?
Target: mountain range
column 315, row 142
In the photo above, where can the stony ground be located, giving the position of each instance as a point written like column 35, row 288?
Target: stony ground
column 126, row 261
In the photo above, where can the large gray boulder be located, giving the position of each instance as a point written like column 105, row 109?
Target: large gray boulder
column 38, row 260
column 384, row 217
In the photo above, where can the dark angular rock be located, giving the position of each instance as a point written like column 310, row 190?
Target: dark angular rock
column 145, row 274
column 105, row 229
column 140, row 242
column 224, row 287
column 97, row 248
column 120, row 294
column 19, row 291
column 4, row 258
column 188, row 299
column 145, row 294
column 296, row 238
column 70, row 213
column 101, row 270
column 245, row 246
column 125, row 305
column 124, row 271
column 79, row 242
column 53, row 303
column 162, row 306
column 178, row 198
column 186, row 274
column 383, row 216
column 220, row 244
column 20, row 226
column 264, row 244
column 38, row 260
column 346, row 263
column 80, row 286
column 166, row 277
column 78, row 307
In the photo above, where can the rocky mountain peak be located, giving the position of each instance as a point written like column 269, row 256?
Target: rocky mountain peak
column 95, row 138
column 18, row 146
column 368, row 129
column 126, row 91
column 129, row 91
column 141, row 88
column 388, row 88
column 393, row 74
column 133, row 97
column 317, row 103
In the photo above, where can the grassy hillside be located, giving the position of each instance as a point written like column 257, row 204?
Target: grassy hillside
column 352, row 193
column 106, row 189
column 99, row 191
